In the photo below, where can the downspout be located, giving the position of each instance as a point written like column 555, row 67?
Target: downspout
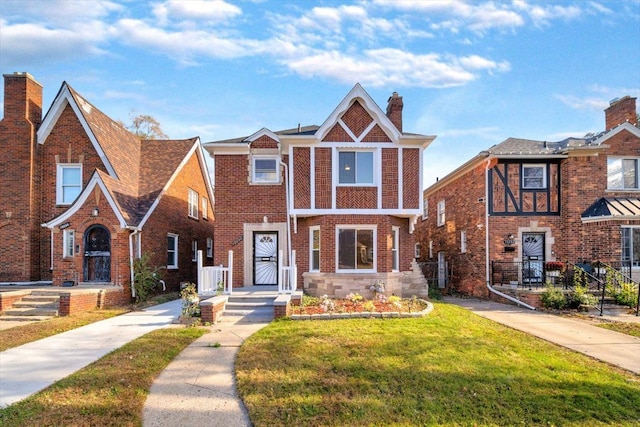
column 288, row 197
column 486, row 243
column 131, row 258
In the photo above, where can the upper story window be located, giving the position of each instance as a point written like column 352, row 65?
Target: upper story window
column 193, row 203
column 534, row 176
column 356, row 248
column 356, row 167
column 205, row 208
column 622, row 173
column 68, row 183
column 172, row 251
column 264, row 170
column 425, row 209
column 440, row 218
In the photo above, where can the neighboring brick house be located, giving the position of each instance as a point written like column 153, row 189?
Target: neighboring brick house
column 529, row 202
column 345, row 196
column 83, row 197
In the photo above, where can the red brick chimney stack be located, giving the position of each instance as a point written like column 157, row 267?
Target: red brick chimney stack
column 394, row 110
column 620, row 111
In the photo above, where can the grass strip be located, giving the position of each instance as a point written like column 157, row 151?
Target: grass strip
column 110, row 391
column 632, row 329
column 450, row 368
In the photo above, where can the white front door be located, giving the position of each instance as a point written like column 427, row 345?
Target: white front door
column 265, row 258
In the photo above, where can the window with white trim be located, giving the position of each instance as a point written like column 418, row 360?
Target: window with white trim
column 425, row 209
column 534, row 177
column 68, row 243
column 440, row 218
column 430, row 249
column 355, row 167
column 209, row 247
column 264, row 170
column 631, row 245
column 622, row 173
column 417, row 249
column 463, row 242
column 314, row 248
column 395, row 255
column 194, row 250
column 193, row 203
column 356, row 249
column 172, row 251
column 68, row 182
column 205, row 208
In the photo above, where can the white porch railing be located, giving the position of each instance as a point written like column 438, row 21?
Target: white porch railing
column 288, row 275
column 215, row 280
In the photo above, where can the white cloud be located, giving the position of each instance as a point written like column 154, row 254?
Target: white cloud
column 578, row 103
column 213, row 11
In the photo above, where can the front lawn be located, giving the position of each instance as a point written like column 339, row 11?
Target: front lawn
column 449, row 368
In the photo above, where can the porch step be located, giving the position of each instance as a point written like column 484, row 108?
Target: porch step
column 255, row 308
column 7, row 318
column 38, row 304
column 31, row 311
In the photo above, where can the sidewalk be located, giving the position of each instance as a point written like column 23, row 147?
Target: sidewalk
column 609, row 346
column 198, row 387
column 32, row 367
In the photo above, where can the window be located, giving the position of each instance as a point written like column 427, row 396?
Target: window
column 534, row 176
column 68, row 183
column 209, row 247
column 205, row 208
column 356, row 167
column 314, row 247
column 395, row 256
column 631, row 245
column 430, row 249
column 416, row 250
column 425, row 209
column 440, row 218
column 356, row 248
column 622, row 173
column 194, row 250
column 265, row 170
column 193, row 203
column 172, row 251
column 463, row 242
column 68, row 243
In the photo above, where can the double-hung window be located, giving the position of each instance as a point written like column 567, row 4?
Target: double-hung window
column 355, row 167
column 622, row 173
column 395, row 256
column 68, row 183
column 193, row 203
column 209, row 247
column 631, row 245
column 440, row 216
column 194, row 250
column 356, row 248
column 172, row 251
column 264, row 170
column 534, row 177
column 314, row 248
column 205, row 208
column 68, row 243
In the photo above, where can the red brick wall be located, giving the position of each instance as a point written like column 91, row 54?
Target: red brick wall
column 390, row 178
column 356, row 197
column 302, row 178
column 323, row 178
column 357, row 119
column 20, row 179
column 411, row 178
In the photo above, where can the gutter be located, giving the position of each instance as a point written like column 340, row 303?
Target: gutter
column 288, row 201
column 136, row 230
column 486, row 243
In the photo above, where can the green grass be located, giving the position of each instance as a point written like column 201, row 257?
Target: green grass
column 109, row 392
column 450, row 368
column 632, row 329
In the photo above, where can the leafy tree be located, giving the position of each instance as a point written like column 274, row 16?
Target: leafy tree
column 145, row 126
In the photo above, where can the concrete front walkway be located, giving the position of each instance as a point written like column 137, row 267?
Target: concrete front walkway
column 32, row 367
column 198, row 387
column 612, row 347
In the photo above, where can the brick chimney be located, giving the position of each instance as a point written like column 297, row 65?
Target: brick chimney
column 621, row 110
column 394, row 110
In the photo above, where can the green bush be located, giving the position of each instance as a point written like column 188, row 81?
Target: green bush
column 145, row 278
column 626, row 294
column 553, row 298
column 190, row 301
column 581, row 297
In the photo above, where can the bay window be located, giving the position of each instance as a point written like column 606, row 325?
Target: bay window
column 356, row 248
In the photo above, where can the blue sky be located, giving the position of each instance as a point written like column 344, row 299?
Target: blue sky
column 473, row 73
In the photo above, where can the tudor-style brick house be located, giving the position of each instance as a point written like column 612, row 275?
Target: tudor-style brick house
column 528, row 202
column 345, row 196
column 82, row 197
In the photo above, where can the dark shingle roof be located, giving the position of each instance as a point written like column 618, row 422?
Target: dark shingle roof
column 613, row 207
column 302, row 131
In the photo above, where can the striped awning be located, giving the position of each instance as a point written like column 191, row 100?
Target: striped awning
column 613, row 208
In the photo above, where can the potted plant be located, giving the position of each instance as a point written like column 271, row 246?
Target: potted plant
column 554, row 268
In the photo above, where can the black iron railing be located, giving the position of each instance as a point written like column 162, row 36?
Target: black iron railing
column 436, row 274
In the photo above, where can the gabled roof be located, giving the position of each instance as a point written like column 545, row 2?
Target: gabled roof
column 612, row 208
column 137, row 172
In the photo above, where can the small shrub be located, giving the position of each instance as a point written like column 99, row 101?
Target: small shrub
column 553, row 298
column 145, row 278
column 626, row 294
column 190, row 301
column 369, row 306
column 581, row 297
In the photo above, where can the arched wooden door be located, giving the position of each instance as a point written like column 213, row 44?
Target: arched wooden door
column 97, row 254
